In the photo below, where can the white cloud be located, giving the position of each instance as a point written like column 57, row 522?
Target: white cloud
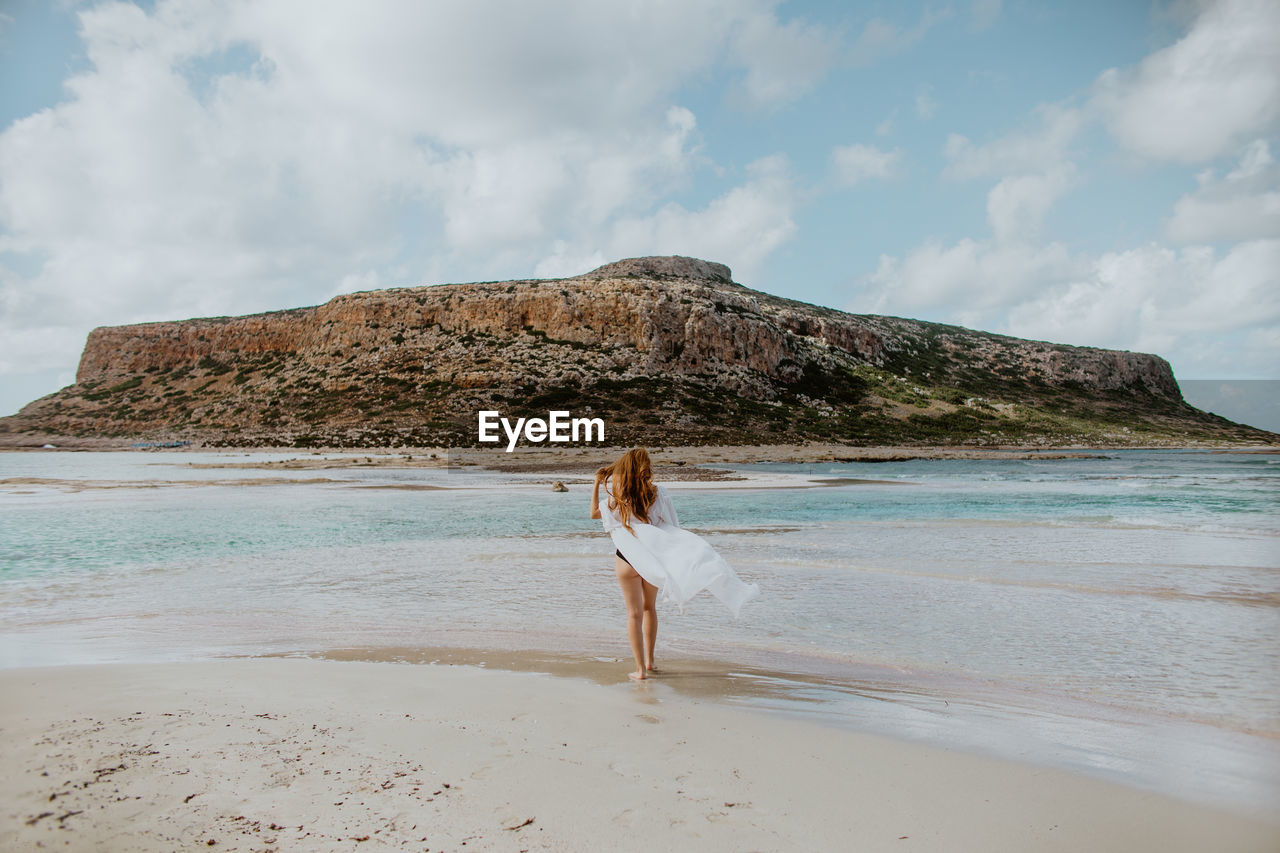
column 783, row 61
column 1016, row 207
column 1044, row 146
column 37, row 349
column 1241, row 205
column 740, row 228
column 565, row 261
column 926, row 106
column 1198, row 99
column 1210, row 314
column 1156, row 299
column 880, row 38
column 1202, row 96
column 359, row 281
column 969, row 282
column 856, row 163
column 1211, row 311
column 526, row 190
column 220, row 158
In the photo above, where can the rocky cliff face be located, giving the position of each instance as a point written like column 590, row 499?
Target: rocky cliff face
column 665, row 348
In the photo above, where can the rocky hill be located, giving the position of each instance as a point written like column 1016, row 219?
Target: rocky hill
column 665, row 350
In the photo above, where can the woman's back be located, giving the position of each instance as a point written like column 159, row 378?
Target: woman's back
column 629, row 485
column 660, row 512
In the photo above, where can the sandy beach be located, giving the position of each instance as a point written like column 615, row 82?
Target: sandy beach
column 248, row 652
column 308, row 755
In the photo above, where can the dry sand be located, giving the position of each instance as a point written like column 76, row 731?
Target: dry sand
column 305, row 755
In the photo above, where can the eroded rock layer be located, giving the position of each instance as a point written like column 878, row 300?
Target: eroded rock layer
column 665, row 349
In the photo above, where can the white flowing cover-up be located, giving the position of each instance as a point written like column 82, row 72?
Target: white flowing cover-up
column 679, row 563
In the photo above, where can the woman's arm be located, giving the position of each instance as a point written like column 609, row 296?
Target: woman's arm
column 595, row 492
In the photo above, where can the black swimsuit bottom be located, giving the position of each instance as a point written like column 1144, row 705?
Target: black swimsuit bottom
column 622, row 558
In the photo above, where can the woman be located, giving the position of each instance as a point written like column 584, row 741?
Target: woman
column 654, row 555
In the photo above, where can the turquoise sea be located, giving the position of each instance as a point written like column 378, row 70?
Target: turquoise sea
column 1119, row 616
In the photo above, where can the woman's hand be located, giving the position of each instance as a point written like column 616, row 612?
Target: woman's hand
column 595, row 492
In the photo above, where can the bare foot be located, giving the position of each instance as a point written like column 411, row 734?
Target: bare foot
column 651, row 668
column 637, row 676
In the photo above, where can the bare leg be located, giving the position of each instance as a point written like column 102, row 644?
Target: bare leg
column 650, row 623
column 633, row 593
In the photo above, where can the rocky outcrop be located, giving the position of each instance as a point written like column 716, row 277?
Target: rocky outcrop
column 648, row 315
column 669, row 266
column 666, row 346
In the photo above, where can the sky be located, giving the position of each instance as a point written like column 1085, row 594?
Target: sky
column 1092, row 173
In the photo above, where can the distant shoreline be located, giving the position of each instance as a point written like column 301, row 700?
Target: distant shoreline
column 706, row 466
column 738, row 453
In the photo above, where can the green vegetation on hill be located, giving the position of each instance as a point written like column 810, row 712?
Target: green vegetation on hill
column 267, row 399
column 667, row 360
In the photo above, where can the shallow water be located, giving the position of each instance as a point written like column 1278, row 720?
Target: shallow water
column 1116, row 615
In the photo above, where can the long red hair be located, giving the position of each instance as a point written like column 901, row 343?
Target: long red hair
column 631, row 489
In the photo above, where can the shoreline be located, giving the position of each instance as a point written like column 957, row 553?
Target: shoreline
column 806, row 451
column 1229, row 762
column 929, row 708
column 725, row 467
column 318, row 755
column 686, row 464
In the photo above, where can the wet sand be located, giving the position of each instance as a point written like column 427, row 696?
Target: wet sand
column 580, row 459
column 323, row 755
